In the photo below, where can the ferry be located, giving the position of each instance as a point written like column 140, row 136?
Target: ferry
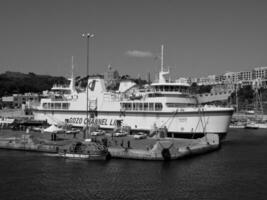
column 165, row 104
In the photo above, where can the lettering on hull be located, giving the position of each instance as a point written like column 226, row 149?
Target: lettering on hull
column 92, row 121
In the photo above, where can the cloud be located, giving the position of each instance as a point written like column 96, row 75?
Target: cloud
column 139, row 54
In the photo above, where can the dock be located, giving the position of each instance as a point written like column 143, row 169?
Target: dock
column 168, row 149
column 119, row 147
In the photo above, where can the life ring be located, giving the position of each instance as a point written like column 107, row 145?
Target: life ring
column 166, row 154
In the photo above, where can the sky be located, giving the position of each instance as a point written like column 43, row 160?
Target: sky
column 199, row 37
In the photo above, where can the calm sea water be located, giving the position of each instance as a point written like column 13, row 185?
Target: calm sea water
column 237, row 171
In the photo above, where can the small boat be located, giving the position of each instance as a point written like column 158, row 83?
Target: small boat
column 84, row 150
column 251, row 125
column 237, row 125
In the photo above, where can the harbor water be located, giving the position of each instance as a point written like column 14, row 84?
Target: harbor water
column 236, row 171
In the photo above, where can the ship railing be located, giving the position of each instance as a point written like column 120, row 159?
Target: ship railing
column 60, row 86
column 113, row 97
column 61, row 97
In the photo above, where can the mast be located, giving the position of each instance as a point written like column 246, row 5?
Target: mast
column 72, row 68
column 162, row 49
column 87, row 36
column 72, row 80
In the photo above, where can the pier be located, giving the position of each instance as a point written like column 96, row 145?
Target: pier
column 119, row 147
column 165, row 148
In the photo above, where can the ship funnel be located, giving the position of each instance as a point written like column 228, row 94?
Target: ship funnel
column 96, row 84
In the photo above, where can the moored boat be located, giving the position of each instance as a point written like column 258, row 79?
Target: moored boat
column 84, row 150
column 251, row 125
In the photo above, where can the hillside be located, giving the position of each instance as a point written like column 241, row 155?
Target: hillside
column 16, row 82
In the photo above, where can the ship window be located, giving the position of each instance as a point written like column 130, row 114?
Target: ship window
column 145, row 106
column 165, row 88
column 45, row 105
column 140, row 106
column 158, row 106
column 57, row 105
column 155, row 95
column 175, row 105
column 128, row 106
column 134, row 106
column 151, row 106
column 65, row 105
column 168, row 88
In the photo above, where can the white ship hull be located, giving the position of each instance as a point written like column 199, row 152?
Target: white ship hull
column 178, row 123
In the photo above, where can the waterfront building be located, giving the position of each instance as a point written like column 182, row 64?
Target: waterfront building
column 191, row 80
column 219, row 78
column 230, row 77
column 244, row 75
column 182, row 80
column 209, row 80
column 17, row 100
column 259, row 72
